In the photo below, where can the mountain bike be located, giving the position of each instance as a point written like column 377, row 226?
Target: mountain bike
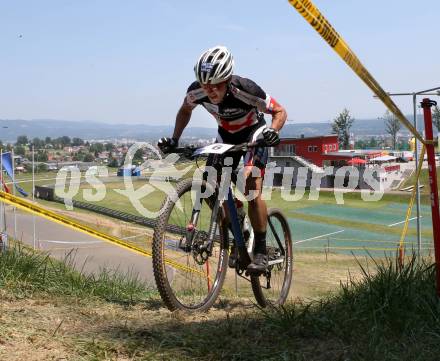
column 193, row 236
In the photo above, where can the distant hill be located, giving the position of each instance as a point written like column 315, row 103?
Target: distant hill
column 89, row 130
column 361, row 127
column 10, row 129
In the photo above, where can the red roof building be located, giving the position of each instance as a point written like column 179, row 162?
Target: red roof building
column 313, row 149
column 321, row 150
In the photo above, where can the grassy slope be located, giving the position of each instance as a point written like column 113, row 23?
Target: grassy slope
column 115, row 200
column 424, row 179
column 391, row 315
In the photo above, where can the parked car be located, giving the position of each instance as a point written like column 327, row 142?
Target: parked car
column 401, row 160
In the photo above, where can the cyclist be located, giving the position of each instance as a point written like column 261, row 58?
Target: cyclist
column 238, row 105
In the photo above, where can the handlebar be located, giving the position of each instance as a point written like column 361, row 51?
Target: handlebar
column 189, row 151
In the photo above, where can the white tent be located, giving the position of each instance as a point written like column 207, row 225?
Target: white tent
column 383, row 158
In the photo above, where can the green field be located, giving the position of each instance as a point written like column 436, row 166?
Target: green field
column 424, row 179
column 322, row 225
column 317, row 225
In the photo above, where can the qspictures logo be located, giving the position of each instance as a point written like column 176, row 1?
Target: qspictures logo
column 291, row 182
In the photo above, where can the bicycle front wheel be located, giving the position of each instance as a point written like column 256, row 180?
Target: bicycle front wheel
column 184, row 280
column 272, row 288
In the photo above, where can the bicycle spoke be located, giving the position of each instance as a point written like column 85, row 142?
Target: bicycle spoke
column 191, row 280
column 279, row 251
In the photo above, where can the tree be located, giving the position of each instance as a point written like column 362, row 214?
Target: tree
column 22, row 140
column 77, row 141
column 65, row 141
column 42, row 156
column 88, row 157
column 113, row 163
column 372, row 143
column 96, row 148
column 38, row 143
column 138, row 157
column 361, row 144
column 404, row 145
column 109, row 147
column 19, row 150
column 341, row 126
column 392, row 126
column 436, row 117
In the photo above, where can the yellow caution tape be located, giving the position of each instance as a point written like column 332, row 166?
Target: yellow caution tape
column 314, row 17
column 65, row 221
column 413, row 196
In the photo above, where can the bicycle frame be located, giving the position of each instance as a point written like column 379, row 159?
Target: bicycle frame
column 244, row 259
column 206, row 248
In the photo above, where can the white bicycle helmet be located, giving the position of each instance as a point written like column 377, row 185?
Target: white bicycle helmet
column 214, row 65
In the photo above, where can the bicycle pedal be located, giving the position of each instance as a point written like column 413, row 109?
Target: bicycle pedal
column 255, row 272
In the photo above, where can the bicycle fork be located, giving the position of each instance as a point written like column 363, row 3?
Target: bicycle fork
column 204, row 250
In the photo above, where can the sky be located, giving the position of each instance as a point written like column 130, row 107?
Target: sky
column 132, row 61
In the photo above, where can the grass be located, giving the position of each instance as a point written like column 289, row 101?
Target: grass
column 424, row 179
column 25, row 272
column 120, row 202
column 153, row 201
column 41, row 178
column 115, row 200
column 391, row 313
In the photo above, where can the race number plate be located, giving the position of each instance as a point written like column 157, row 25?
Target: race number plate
column 216, row 148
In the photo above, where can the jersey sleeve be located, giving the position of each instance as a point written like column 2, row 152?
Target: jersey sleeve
column 251, row 93
column 194, row 95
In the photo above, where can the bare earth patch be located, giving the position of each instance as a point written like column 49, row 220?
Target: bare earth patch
column 69, row 329
column 47, row 327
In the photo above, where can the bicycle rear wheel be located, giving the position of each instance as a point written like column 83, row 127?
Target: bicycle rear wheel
column 185, row 282
column 279, row 273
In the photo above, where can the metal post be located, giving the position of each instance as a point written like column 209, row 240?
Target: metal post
column 1, row 187
column 426, row 105
column 433, row 91
column 13, row 192
column 33, row 194
column 416, row 156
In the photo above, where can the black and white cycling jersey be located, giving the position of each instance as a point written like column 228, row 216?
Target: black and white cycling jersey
column 240, row 109
column 239, row 117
